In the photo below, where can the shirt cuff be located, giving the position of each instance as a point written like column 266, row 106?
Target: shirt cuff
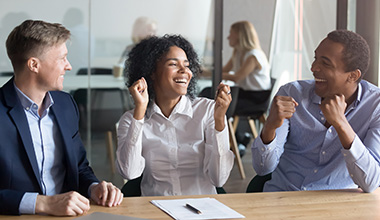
column 355, row 152
column 136, row 128
column 222, row 137
column 89, row 189
column 264, row 148
column 28, row 203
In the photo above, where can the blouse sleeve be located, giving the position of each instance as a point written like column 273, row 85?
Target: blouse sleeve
column 219, row 158
column 130, row 162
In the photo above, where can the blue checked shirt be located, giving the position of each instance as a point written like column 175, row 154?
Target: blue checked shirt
column 305, row 155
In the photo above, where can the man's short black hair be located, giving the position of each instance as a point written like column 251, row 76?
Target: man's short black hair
column 356, row 53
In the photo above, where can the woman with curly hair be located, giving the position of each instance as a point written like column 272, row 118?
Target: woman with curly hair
column 177, row 141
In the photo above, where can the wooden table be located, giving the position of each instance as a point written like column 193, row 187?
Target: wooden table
column 335, row 204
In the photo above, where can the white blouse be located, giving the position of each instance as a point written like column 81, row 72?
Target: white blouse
column 179, row 155
column 258, row 79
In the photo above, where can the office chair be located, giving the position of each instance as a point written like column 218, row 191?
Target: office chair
column 206, row 92
column 132, row 187
column 259, row 112
column 257, row 183
column 254, row 112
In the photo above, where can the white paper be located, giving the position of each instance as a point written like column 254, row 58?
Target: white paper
column 210, row 208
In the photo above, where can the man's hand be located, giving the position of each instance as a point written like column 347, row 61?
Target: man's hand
column 283, row 107
column 106, row 194
column 333, row 108
column 66, row 204
column 222, row 102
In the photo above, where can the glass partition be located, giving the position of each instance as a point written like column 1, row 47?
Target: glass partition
column 299, row 26
column 289, row 31
column 101, row 31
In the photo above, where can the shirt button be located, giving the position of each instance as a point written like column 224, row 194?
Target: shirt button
column 322, row 118
column 304, row 188
column 27, row 108
column 352, row 175
column 261, row 164
column 34, row 106
column 316, row 170
column 345, row 154
column 330, row 130
column 323, row 152
column 262, row 149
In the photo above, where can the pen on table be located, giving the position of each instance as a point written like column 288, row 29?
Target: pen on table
column 192, row 208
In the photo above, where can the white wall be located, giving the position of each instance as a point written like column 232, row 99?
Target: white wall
column 111, row 24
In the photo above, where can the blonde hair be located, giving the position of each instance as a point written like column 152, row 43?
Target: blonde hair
column 248, row 38
column 32, row 38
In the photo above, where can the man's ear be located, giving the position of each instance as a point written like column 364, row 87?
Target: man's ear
column 355, row 75
column 33, row 64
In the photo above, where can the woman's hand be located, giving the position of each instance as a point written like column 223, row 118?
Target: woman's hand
column 222, row 102
column 139, row 92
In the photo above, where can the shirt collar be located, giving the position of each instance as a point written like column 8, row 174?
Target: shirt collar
column 29, row 105
column 183, row 107
column 317, row 100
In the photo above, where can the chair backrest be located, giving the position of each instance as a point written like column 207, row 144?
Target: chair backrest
column 132, row 187
column 257, row 183
column 206, row 92
column 95, row 71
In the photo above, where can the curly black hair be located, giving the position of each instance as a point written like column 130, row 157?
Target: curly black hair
column 143, row 58
column 356, row 52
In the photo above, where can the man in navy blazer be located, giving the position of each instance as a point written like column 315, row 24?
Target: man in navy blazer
column 43, row 163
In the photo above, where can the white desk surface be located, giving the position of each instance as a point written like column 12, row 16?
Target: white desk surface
column 73, row 82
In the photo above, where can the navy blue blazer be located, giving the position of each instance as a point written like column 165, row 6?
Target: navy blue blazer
column 18, row 164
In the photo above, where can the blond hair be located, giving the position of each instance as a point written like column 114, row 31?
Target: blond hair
column 248, row 38
column 31, row 38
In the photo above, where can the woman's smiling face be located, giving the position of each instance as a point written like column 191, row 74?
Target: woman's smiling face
column 172, row 75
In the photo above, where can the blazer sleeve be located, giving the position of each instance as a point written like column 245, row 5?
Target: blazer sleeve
column 10, row 201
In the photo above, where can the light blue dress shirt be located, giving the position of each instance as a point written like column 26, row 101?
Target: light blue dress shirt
column 48, row 150
column 305, row 155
